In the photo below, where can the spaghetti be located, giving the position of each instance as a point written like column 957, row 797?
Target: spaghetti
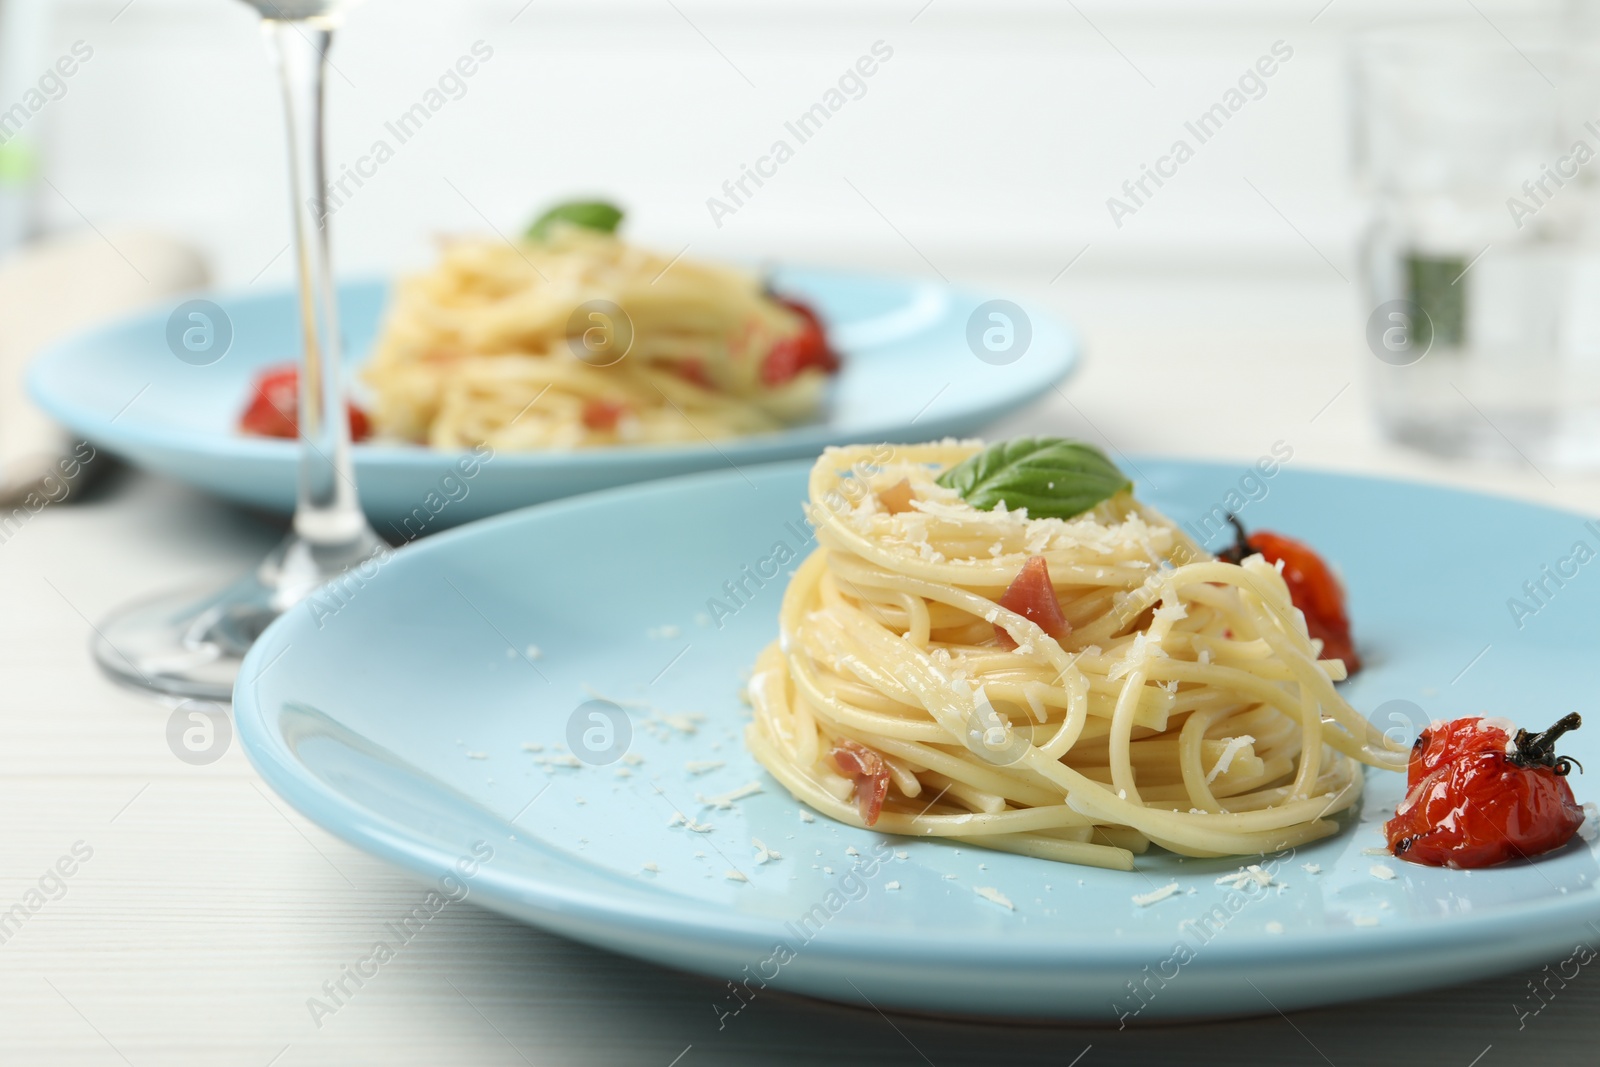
column 1181, row 705
column 575, row 339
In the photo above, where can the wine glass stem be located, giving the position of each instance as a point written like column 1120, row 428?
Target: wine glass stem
column 327, row 511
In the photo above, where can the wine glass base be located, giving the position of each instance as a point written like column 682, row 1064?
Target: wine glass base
column 190, row 643
column 187, row 643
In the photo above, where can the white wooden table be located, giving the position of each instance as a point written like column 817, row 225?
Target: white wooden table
column 209, row 912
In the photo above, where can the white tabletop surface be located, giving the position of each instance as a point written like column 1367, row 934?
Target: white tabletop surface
column 209, row 912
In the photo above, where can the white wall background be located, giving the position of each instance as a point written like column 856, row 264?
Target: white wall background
column 989, row 143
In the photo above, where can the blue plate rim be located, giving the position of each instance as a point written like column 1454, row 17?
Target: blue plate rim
column 1542, row 923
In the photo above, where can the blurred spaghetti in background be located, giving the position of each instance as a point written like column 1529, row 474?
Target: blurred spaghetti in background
column 573, row 338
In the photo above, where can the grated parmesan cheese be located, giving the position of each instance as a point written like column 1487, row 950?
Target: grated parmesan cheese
column 1155, row 896
column 702, row 766
column 1251, row 875
column 994, row 896
column 1496, row 722
column 1234, row 746
column 687, row 722
column 1171, row 608
column 725, row 801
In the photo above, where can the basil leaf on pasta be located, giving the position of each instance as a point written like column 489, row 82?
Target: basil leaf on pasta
column 1050, row 476
column 590, row 214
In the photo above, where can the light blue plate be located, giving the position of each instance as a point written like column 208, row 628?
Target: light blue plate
column 398, row 721
column 909, row 375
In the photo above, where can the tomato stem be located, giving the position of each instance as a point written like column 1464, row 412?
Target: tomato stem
column 1236, row 552
column 1540, row 749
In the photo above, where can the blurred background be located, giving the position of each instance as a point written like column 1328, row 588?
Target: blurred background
column 986, row 149
column 991, row 140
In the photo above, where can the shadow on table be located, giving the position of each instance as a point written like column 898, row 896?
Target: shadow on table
column 557, row 1001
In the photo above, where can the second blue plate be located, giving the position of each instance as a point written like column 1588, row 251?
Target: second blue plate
column 910, row 374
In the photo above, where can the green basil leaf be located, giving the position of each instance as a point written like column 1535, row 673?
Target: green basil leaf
column 1050, row 476
column 590, row 214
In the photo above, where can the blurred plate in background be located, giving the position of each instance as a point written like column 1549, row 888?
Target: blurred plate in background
column 912, row 372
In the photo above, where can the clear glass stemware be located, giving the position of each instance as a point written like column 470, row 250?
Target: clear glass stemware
column 190, row 643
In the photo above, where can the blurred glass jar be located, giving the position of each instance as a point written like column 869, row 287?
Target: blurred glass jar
column 1481, row 265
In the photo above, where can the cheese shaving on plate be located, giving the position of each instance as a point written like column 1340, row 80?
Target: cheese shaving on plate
column 994, row 896
column 1155, row 896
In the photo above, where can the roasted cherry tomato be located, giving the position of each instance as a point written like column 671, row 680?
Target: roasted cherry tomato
column 1476, row 796
column 1032, row 596
column 866, row 768
column 806, row 349
column 1312, row 586
column 274, row 409
column 603, row 415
